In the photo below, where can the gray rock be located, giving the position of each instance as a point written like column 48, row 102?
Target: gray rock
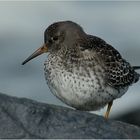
column 24, row 118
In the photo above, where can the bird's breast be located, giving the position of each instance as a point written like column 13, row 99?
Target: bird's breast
column 79, row 86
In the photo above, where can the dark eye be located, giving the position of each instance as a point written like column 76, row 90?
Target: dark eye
column 50, row 41
column 55, row 38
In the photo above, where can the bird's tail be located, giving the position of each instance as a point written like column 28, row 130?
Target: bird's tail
column 136, row 67
column 137, row 75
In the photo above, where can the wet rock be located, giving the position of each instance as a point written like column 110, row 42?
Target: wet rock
column 24, row 118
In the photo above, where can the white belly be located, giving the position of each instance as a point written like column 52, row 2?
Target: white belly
column 79, row 91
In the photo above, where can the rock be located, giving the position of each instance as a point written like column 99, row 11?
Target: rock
column 132, row 117
column 24, row 118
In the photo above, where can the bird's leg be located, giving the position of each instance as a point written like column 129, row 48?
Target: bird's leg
column 108, row 110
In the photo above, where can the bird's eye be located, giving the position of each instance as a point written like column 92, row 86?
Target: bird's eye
column 55, row 38
column 50, row 41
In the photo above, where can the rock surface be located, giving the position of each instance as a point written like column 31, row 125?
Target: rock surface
column 24, row 118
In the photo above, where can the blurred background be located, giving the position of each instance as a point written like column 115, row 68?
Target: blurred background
column 22, row 26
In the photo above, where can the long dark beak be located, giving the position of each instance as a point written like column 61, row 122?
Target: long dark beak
column 38, row 52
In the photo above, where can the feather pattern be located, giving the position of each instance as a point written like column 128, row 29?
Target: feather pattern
column 118, row 72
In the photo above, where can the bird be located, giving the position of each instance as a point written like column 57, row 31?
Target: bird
column 83, row 70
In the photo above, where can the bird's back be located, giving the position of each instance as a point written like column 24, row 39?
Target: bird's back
column 118, row 72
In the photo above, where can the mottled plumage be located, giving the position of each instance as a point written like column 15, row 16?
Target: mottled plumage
column 119, row 73
column 83, row 70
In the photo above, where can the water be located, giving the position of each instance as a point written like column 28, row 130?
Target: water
column 22, row 26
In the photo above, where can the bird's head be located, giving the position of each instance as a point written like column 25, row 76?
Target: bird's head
column 59, row 35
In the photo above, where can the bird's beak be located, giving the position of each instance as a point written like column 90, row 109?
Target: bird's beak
column 41, row 50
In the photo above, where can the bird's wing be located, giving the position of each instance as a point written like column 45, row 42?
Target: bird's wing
column 118, row 72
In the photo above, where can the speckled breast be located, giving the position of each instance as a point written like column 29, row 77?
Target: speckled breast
column 78, row 85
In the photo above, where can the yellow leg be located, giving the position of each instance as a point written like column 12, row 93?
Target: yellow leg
column 108, row 110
